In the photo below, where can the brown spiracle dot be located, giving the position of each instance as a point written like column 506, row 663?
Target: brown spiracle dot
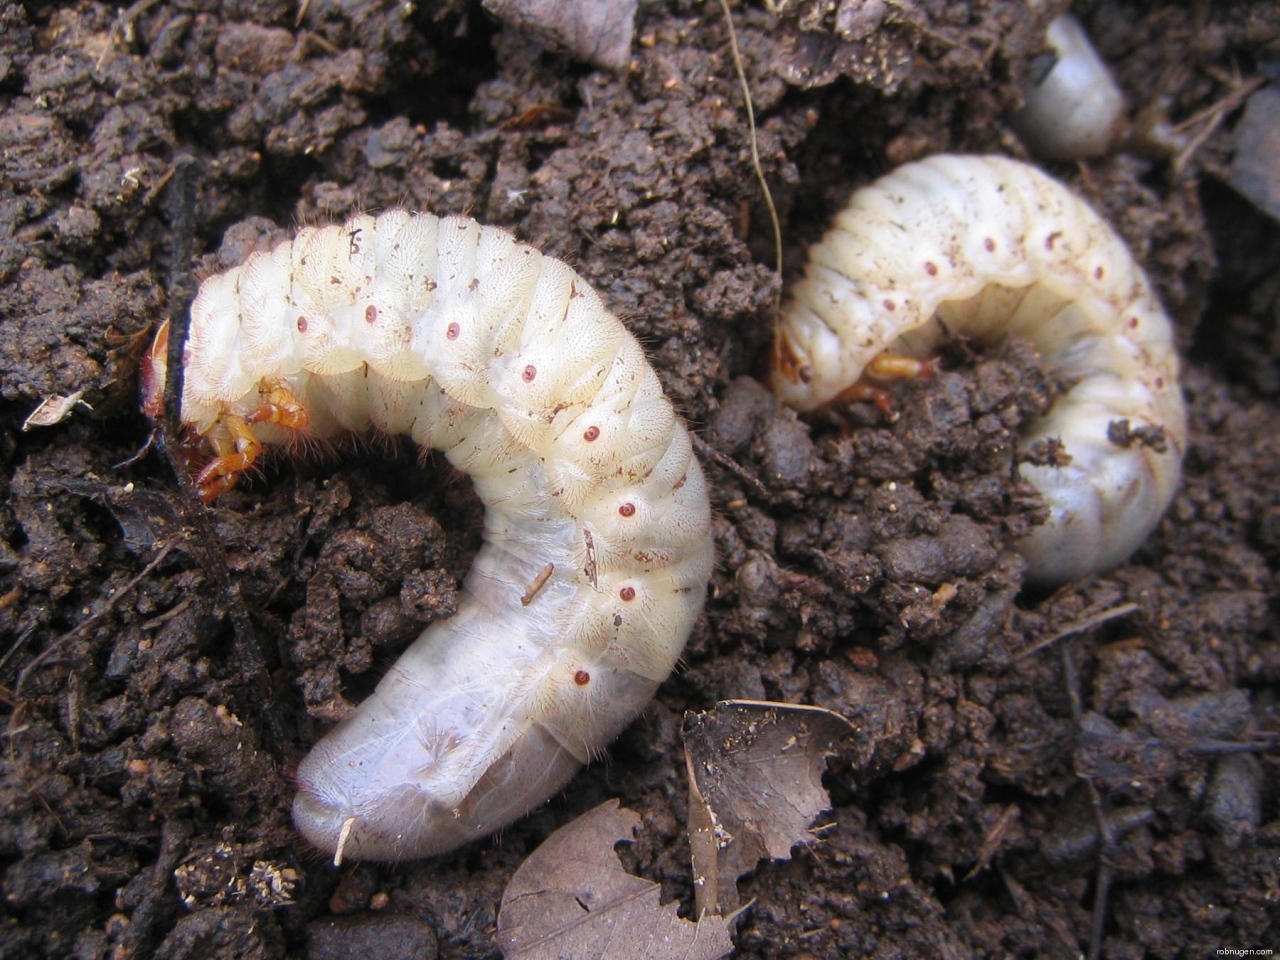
column 453, row 331
column 627, row 510
column 302, row 324
column 591, row 434
column 371, row 314
column 627, row 594
column 931, row 269
column 530, row 372
column 582, row 678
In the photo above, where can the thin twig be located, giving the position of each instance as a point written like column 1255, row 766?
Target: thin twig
column 755, row 146
column 1106, row 870
column 88, row 622
column 709, row 452
column 22, row 638
column 1086, row 623
column 1106, row 834
column 122, row 23
column 1214, row 114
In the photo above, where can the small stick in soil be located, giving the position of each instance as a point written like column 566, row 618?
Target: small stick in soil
column 173, row 841
column 1084, row 623
column 992, row 842
column 1106, row 835
column 1213, row 115
column 708, row 452
column 755, row 146
column 85, row 624
column 122, row 28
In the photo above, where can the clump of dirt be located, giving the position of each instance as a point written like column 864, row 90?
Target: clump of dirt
column 164, row 667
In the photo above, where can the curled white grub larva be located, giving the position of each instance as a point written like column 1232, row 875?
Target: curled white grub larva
column 597, row 543
column 1075, row 110
column 985, row 248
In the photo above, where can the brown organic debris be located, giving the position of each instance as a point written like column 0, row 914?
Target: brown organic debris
column 53, row 409
column 1255, row 170
column 572, row 899
column 598, row 31
column 755, row 784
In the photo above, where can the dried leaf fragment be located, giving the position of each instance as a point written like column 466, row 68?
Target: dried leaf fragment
column 598, row 31
column 755, row 781
column 1255, row 171
column 571, row 898
column 53, row 409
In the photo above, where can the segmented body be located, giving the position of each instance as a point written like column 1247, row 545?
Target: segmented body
column 597, row 544
column 986, row 247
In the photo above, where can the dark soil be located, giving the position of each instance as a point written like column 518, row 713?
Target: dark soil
column 163, row 667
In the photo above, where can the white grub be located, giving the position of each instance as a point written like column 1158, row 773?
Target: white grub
column 1075, row 110
column 506, row 360
column 985, row 248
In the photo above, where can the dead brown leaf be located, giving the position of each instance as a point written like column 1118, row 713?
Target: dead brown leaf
column 1255, row 171
column 598, row 31
column 755, row 783
column 572, row 899
column 53, row 409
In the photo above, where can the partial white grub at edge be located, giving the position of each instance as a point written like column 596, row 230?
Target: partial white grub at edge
column 987, row 247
